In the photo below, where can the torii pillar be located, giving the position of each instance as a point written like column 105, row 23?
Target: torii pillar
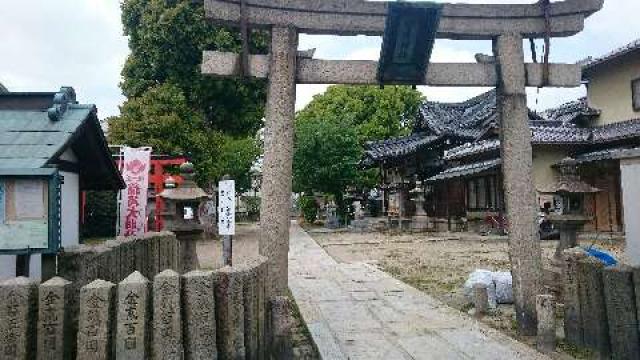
column 505, row 24
column 278, row 157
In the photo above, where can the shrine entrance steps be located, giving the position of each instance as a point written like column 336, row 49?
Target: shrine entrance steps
column 355, row 311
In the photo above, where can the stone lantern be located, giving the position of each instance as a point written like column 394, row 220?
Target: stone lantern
column 569, row 198
column 420, row 219
column 181, row 215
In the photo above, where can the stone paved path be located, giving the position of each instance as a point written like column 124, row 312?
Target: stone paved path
column 355, row 311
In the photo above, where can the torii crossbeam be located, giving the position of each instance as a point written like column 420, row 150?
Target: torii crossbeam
column 505, row 24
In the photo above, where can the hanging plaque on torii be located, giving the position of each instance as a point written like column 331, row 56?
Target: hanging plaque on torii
column 506, row 25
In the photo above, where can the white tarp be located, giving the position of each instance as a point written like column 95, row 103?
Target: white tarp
column 133, row 199
column 499, row 286
column 227, row 207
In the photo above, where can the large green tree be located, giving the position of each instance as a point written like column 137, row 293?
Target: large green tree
column 175, row 109
column 162, row 119
column 332, row 129
column 167, row 38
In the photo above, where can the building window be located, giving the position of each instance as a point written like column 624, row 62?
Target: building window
column 483, row 194
column 635, row 94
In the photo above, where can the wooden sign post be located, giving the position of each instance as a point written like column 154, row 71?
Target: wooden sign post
column 227, row 217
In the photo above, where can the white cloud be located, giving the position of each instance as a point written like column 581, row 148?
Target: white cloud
column 48, row 44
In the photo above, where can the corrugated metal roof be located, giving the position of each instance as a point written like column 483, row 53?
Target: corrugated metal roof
column 466, row 170
column 29, row 139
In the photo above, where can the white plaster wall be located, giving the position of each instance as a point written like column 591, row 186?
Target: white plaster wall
column 70, row 211
column 630, row 179
column 7, row 266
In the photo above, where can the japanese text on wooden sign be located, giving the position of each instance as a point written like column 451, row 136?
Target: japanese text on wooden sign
column 227, row 207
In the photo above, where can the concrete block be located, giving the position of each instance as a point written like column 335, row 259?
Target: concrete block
column 572, row 312
column 167, row 316
column 546, row 310
column 55, row 340
column 199, row 316
column 18, row 297
column 133, row 318
column 593, row 305
column 622, row 312
column 95, row 328
column 229, row 313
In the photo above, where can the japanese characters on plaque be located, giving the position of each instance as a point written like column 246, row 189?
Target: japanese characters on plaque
column 133, row 199
column 227, row 207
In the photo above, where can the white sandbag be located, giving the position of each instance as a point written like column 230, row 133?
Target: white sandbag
column 504, row 287
column 484, row 277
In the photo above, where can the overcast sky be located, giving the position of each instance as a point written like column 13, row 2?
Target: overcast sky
column 46, row 44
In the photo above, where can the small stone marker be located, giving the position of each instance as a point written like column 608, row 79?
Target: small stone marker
column 167, row 318
column 572, row 313
column 593, row 306
column 546, row 310
column 200, row 316
column 281, row 344
column 262, row 313
column 229, row 313
column 250, row 303
column 54, row 338
column 18, row 318
column 621, row 312
column 132, row 330
column 94, row 327
column 480, row 299
column 636, row 284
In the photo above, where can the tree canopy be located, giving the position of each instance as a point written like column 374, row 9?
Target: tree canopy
column 175, row 109
column 332, row 129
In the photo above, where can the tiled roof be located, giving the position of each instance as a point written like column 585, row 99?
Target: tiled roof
column 556, row 135
column 617, row 131
column 468, row 120
column 601, row 155
column 624, row 50
column 466, row 170
column 559, row 135
column 397, row 147
column 474, row 148
column 570, row 112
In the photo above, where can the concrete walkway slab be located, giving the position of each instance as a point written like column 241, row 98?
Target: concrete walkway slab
column 355, row 311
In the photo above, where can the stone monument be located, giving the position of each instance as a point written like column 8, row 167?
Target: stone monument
column 507, row 25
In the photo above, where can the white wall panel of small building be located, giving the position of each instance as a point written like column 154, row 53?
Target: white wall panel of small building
column 70, row 209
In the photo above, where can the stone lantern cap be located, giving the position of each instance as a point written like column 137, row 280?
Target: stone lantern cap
column 188, row 190
column 569, row 182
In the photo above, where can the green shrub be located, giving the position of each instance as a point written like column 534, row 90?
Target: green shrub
column 309, row 208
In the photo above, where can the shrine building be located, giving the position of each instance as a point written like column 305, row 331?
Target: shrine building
column 51, row 149
column 453, row 154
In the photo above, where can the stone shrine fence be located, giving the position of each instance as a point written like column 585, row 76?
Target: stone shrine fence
column 220, row 314
column 601, row 306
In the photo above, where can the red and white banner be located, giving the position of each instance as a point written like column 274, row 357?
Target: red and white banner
column 134, row 166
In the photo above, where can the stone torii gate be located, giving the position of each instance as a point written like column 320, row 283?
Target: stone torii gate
column 504, row 24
